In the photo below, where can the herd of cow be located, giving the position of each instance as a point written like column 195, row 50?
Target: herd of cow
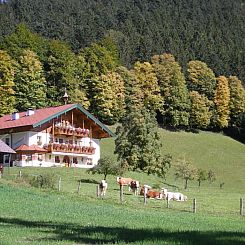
column 144, row 190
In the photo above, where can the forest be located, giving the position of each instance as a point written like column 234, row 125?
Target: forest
column 180, row 60
column 210, row 31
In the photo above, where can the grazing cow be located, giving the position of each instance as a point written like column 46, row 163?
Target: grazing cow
column 134, row 186
column 124, row 181
column 175, row 196
column 103, row 187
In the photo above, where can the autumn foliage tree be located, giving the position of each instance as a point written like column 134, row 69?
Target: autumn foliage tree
column 200, row 113
column 108, row 101
column 237, row 100
column 30, row 84
column 7, row 74
column 201, row 78
column 222, row 101
column 173, row 90
column 146, row 78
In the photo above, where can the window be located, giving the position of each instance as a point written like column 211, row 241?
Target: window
column 39, row 140
column 7, row 141
column 89, row 161
column 57, row 159
column 61, row 141
column 28, row 157
column 6, row 159
column 40, row 157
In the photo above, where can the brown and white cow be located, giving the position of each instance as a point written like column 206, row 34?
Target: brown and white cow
column 151, row 193
column 134, row 186
column 103, row 187
column 124, row 181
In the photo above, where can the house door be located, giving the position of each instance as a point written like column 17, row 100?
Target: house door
column 66, row 160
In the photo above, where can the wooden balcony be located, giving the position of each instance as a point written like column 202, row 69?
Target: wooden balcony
column 71, row 131
column 69, row 148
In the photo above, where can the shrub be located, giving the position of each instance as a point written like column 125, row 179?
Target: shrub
column 45, row 181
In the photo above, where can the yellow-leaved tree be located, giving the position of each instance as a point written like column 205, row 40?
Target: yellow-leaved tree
column 221, row 101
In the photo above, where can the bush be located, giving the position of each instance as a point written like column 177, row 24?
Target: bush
column 45, row 181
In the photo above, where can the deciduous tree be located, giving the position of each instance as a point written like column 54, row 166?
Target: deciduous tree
column 106, row 165
column 200, row 113
column 221, row 101
column 186, row 171
column 147, row 80
column 201, row 78
column 7, row 73
column 173, row 90
column 237, row 100
column 108, row 97
column 30, row 84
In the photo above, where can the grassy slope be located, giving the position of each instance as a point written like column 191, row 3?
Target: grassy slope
column 29, row 216
column 206, row 150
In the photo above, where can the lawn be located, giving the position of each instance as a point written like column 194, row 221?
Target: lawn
column 33, row 216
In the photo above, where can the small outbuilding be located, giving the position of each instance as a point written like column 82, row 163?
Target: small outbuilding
column 5, row 154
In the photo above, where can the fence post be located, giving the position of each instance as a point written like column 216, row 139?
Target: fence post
column 79, row 186
column 241, row 206
column 121, row 193
column 145, row 191
column 20, row 175
column 97, row 190
column 194, row 205
column 167, row 203
column 59, row 184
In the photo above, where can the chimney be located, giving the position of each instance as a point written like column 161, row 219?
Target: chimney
column 30, row 112
column 15, row 116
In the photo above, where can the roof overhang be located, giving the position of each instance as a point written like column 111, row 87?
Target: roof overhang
column 79, row 107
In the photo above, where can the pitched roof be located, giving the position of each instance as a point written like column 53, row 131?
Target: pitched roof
column 41, row 116
column 32, row 148
column 5, row 148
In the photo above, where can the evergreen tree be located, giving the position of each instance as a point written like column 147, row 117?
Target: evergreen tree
column 7, row 73
column 221, row 101
column 30, row 84
column 237, row 100
column 173, row 89
column 200, row 113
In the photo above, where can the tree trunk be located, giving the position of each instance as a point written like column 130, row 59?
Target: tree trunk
column 199, row 183
column 186, row 183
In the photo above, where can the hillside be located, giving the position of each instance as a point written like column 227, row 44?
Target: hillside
column 212, row 31
column 206, row 150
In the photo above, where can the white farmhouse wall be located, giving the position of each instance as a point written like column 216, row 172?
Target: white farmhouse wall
column 33, row 138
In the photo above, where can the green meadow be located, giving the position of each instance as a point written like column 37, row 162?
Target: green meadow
column 30, row 215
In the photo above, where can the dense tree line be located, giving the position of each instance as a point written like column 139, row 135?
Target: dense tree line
column 34, row 72
column 209, row 31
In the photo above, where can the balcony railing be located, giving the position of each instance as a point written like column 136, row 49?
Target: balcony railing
column 69, row 148
column 71, row 131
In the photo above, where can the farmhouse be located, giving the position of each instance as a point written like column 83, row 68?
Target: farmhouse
column 66, row 135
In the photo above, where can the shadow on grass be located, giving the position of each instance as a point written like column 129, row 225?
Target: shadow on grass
column 106, row 235
column 88, row 181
